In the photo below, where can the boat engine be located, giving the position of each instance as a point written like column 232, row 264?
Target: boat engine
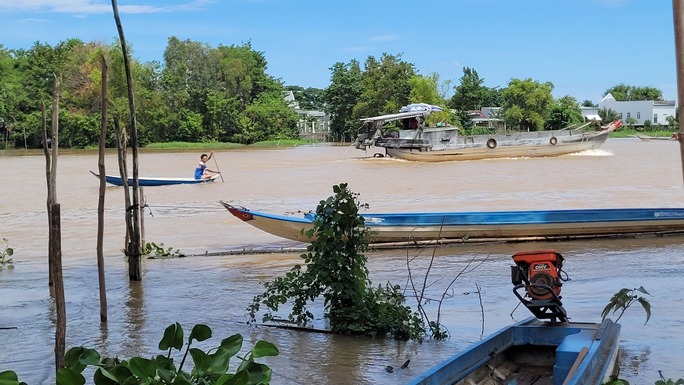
column 539, row 272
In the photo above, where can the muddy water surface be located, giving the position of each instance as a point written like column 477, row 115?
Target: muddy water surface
column 215, row 289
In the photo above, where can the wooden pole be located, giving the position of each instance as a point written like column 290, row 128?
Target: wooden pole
column 217, row 168
column 60, row 306
column 135, row 247
column 101, row 198
column 677, row 11
column 48, row 168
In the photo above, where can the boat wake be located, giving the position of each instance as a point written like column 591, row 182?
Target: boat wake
column 594, row 152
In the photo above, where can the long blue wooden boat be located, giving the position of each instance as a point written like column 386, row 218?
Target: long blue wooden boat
column 484, row 225
column 534, row 352
column 146, row 181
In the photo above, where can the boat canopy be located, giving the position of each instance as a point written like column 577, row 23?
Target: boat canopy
column 398, row 116
column 406, row 112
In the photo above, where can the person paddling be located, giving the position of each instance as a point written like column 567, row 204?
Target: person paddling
column 202, row 172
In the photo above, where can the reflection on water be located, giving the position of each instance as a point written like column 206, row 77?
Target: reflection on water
column 216, row 290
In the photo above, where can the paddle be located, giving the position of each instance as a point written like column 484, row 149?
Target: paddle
column 217, row 168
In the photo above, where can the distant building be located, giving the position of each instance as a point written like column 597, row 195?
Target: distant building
column 657, row 112
column 590, row 113
column 312, row 124
column 488, row 117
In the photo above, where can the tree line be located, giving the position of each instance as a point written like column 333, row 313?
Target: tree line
column 200, row 94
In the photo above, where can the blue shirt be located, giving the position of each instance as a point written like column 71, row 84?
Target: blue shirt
column 199, row 171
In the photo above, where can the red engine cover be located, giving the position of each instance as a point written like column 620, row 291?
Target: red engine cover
column 542, row 267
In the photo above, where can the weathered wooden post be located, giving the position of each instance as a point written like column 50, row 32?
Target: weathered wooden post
column 677, row 10
column 134, row 247
column 101, row 198
column 54, row 224
column 60, row 306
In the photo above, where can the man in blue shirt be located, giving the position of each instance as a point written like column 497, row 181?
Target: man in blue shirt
column 202, row 171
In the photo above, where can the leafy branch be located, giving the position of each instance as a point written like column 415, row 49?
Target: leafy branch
column 625, row 298
column 5, row 254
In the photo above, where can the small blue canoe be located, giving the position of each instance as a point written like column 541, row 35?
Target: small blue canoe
column 534, row 352
column 117, row 181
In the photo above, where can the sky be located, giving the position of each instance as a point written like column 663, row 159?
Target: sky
column 583, row 47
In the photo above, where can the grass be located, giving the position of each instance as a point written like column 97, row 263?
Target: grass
column 227, row 145
column 624, row 132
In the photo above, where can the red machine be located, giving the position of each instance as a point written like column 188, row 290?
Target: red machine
column 539, row 272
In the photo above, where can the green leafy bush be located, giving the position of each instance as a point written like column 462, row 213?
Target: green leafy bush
column 336, row 270
column 157, row 250
column 210, row 368
column 5, row 254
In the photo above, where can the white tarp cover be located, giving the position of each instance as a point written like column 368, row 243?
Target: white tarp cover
column 592, row 117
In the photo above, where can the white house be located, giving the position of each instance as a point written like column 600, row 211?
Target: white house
column 657, row 112
column 312, row 124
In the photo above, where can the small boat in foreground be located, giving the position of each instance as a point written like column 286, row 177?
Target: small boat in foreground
column 534, row 352
column 552, row 352
column 142, row 181
column 485, row 225
column 417, row 142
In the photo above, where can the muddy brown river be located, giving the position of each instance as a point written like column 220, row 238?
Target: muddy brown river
column 214, row 284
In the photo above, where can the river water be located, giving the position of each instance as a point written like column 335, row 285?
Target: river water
column 214, row 284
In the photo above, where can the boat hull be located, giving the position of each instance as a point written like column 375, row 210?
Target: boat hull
column 539, row 144
column 484, row 226
column 143, row 182
column 532, row 351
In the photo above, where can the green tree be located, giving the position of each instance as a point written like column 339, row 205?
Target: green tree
column 623, row 92
column 220, row 86
column 38, row 68
column 12, row 94
column 270, row 118
column 425, row 89
column 562, row 113
column 525, row 102
column 471, row 94
column 340, row 98
column 308, row 98
column 386, row 86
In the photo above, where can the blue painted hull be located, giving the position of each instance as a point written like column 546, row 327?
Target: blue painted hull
column 564, row 353
column 486, row 225
column 144, row 182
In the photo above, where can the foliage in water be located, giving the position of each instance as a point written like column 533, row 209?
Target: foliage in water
column 335, row 269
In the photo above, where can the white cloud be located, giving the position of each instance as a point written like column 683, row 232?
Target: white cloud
column 83, row 7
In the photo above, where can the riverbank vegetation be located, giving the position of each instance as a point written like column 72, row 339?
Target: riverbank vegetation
column 225, row 95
